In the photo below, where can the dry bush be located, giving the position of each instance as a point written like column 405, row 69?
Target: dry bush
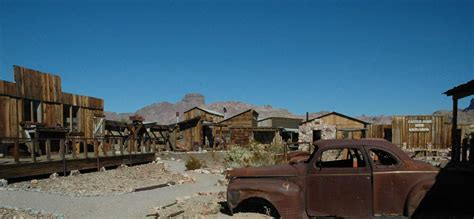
column 192, row 163
column 254, row 155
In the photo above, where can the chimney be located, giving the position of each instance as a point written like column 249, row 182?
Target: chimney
column 307, row 116
column 225, row 113
column 177, row 117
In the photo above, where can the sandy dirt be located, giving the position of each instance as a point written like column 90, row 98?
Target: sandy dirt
column 111, row 182
column 201, row 205
column 26, row 214
column 200, row 193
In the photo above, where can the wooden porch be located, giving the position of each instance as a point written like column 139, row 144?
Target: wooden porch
column 32, row 157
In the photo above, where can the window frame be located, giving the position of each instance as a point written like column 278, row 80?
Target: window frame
column 360, row 149
column 399, row 161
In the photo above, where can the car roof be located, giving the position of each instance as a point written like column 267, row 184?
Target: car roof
column 374, row 142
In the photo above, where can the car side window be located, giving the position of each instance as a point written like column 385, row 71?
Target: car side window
column 381, row 158
column 341, row 158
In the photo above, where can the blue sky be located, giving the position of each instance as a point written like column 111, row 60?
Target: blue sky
column 355, row 57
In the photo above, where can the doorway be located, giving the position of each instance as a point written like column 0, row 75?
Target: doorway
column 387, row 134
column 317, row 135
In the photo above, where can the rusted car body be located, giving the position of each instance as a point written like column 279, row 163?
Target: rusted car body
column 359, row 178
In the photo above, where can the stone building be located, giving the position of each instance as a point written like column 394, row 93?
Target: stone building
column 332, row 126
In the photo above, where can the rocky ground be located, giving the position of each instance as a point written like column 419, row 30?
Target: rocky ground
column 106, row 182
column 26, row 214
column 194, row 194
column 200, row 205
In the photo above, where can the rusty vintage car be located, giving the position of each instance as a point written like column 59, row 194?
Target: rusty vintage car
column 347, row 178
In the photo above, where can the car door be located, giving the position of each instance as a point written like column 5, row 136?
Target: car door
column 390, row 183
column 339, row 183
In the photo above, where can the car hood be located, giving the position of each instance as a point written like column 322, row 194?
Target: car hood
column 279, row 170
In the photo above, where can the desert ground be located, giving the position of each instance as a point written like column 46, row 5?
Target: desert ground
column 160, row 189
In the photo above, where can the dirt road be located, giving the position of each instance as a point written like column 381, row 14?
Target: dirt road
column 130, row 205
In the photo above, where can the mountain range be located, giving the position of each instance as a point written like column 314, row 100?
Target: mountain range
column 165, row 112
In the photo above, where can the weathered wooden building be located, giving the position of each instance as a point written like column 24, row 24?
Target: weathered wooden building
column 201, row 133
column 418, row 131
column 242, row 129
column 289, row 126
column 45, row 130
column 36, row 104
column 332, row 126
column 238, row 129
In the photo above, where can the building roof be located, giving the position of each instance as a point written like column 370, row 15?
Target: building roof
column 280, row 117
column 462, row 90
column 338, row 114
column 238, row 115
column 205, row 110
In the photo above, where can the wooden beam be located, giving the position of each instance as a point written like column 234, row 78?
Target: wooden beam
column 33, row 148
column 112, row 146
column 104, row 150
column 86, row 149
column 16, row 151
column 48, row 149
column 96, row 148
column 62, row 150
column 70, row 118
column 74, row 152
column 153, row 145
column 454, row 137
column 121, row 145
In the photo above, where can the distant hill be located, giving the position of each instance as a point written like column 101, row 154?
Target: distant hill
column 470, row 107
column 165, row 112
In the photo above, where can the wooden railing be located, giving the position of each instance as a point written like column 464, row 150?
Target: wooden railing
column 48, row 149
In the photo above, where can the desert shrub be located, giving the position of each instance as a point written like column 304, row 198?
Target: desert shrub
column 192, row 163
column 254, row 155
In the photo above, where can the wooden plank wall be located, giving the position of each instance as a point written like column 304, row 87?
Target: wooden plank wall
column 245, row 119
column 52, row 114
column 241, row 136
column 238, row 130
column 8, row 89
column 343, row 123
column 195, row 135
column 377, row 131
column 8, row 103
column 82, row 101
column 37, row 85
column 46, row 88
column 436, row 132
column 87, row 121
column 8, row 116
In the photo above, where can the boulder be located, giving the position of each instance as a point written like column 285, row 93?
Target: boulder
column 54, row 176
column 3, row 183
column 34, row 183
column 74, row 173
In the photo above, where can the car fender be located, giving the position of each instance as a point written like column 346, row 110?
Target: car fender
column 286, row 196
column 421, row 186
